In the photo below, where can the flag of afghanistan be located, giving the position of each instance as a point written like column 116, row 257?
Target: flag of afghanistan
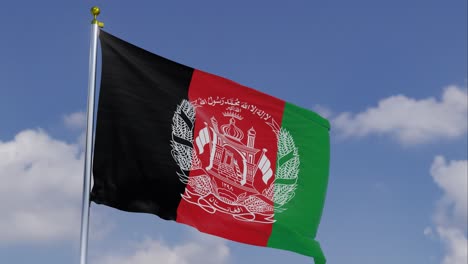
column 202, row 150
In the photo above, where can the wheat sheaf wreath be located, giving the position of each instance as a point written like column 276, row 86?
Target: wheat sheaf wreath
column 280, row 191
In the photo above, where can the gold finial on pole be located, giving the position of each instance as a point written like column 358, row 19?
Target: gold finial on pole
column 95, row 11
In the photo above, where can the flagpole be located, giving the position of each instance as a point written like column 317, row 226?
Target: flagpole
column 89, row 135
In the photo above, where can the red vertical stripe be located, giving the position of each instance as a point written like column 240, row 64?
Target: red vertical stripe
column 227, row 194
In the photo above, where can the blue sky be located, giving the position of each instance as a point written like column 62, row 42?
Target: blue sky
column 391, row 76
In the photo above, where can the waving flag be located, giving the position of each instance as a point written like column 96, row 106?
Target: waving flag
column 202, row 150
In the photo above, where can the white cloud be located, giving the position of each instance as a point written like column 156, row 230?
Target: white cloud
column 452, row 178
column 75, row 120
column 323, row 111
column 200, row 250
column 456, row 245
column 428, row 232
column 40, row 188
column 410, row 120
column 451, row 213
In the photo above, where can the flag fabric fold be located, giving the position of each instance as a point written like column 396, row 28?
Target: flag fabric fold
column 196, row 148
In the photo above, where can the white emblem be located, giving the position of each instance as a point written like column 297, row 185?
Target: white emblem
column 234, row 165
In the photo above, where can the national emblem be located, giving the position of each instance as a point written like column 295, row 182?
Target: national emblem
column 237, row 178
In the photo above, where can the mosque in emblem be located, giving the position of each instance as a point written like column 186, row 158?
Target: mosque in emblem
column 233, row 158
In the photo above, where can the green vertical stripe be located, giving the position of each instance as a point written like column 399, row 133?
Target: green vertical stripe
column 295, row 228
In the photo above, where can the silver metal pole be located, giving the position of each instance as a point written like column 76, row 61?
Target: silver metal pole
column 89, row 137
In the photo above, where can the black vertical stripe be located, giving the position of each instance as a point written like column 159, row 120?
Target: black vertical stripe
column 133, row 167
